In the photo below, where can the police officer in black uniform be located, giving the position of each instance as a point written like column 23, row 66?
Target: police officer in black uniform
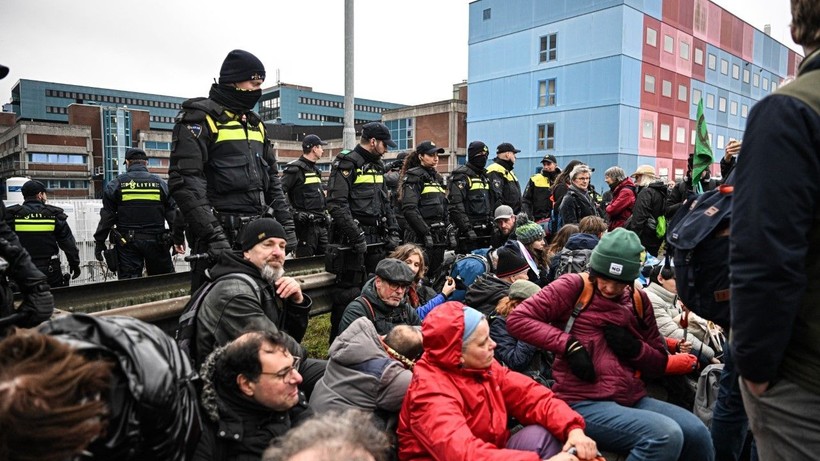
column 424, row 204
column 43, row 232
column 503, row 181
column 302, row 184
column 536, row 200
column 391, row 179
column 223, row 173
column 138, row 204
column 362, row 217
column 472, row 202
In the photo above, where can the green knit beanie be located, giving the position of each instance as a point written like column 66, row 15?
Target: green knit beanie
column 618, row 256
column 527, row 231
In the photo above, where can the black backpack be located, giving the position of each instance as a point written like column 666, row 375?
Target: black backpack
column 699, row 245
column 572, row 261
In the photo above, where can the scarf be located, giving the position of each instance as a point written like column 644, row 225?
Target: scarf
column 234, row 99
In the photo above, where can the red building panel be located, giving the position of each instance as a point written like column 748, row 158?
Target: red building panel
column 685, row 53
column 686, row 15
column 669, row 59
column 652, row 54
column 713, row 24
column 52, row 140
column 737, row 36
column 671, row 12
column 648, row 146
column 682, row 107
column 726, row 20
column 666, row 135
column 649, row 100
column 666, row 104
column 748, row 42
column 700, row 19
column 680, row 150
column 699, row 70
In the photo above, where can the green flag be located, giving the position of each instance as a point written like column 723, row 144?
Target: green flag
column 703, row 151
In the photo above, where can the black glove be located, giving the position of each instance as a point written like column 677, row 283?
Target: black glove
column 75, row 272
column 360, row 245
column 99, row 247
column 428, row 241
column 37, row 305
column 622, row 342
column 290, row 238
column 579, row 361
column 471, row 235
column 217, row 244
column 393, row 241
column 300, row 217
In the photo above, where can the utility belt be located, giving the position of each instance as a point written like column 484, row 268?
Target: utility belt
column 312, row 218
column 49, row 262
column 161, row 238
column 233, row 221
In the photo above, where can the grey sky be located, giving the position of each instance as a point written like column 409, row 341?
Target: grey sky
column 407, row 51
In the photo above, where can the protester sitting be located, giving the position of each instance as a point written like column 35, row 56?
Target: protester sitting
column 504, row 229
column 602, row 353
column 488, row 289
column 531, row 245
column 578, row 247
column 107, row 388
column 368, row 372
column 250, row 395
column 460, row 398
column 518, row 355
column 560, row 239
column 419, row 296
column 382, row 299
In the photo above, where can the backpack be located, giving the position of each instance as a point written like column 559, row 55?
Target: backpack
column 572, row 261
column 465, row 271
column 586, row 296
column 707, row 392
column 699, row 245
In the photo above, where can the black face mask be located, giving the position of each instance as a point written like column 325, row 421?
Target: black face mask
column 234, row 99
column 479, row 161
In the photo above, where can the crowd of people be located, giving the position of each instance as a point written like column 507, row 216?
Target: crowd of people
column 550, row 356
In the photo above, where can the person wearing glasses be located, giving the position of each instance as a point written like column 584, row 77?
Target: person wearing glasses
column 577, row 202
column 424, row 204
column 250, row 395
column 249, row 290
column 383, row 299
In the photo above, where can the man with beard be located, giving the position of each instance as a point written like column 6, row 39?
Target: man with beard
column 536, row 200
column 382, row 299
column 223, row 173
column 249, row 291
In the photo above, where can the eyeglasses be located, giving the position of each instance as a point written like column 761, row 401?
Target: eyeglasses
column 396, row 286
column 582, row 178
column 287, row 372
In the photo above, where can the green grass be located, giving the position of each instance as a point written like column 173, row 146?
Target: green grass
column 316, row 336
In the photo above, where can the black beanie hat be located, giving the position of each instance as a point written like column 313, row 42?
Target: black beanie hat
column 510, row 263
column 260, row 230
column 241, row 66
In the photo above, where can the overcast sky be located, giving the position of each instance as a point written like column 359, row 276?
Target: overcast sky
column 407, row 51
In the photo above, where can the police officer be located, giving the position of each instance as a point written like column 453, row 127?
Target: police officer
column 302, row 183
column 424, row 204
column 503, row 181
column 362, row 217
column 536, row 201
column 43, row 232
column 136, row 205
column 391, row 179
column 471, row 201
column 223, row 173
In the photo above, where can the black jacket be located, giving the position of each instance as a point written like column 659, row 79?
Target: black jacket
column 302, row 184
column 423, row 200
column 471, row 202
column 576, row 205
column 43, row 231
column 650, row 203
column 484, row 294
column 383, row 316
column 154, row 411
column 505, row 184
column 536, row 201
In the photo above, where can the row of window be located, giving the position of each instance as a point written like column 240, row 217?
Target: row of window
column 339, row 105
column 648, row 132
column 66, row 184
column 158, row 162
column 666, row 91
column 666, row 88
column 157, row 145
column 71, row 159
column 112, row 99
column 328, row 118
column 161, row 119
column 56, row 110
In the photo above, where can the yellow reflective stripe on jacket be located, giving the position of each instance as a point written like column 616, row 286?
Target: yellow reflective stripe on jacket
column 235, row 131
column 34, row 225
column 140, row 194
column 432, row 188
column 368, row 178
column 508, row 175
column 312, row 178
column 478, row 184
column 539, row 180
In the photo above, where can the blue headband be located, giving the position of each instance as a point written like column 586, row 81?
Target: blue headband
column 471, row 319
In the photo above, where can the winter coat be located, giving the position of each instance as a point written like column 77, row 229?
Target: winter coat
column 650, row 204
column 576, row 205
column 540, row 321
column 382, row 315
column 517, row 355
column 668, row 316
column 484, row 294
column 575, row 242
column 360, row 374
column 155, row 414
column 623, row 199
column 455, row 413
column 233, row 306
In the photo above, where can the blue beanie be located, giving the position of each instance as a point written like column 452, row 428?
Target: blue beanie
column 471, row 319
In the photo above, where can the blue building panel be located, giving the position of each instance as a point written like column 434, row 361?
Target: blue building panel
column 653, row 8
column 631, row 82
column 759, row 45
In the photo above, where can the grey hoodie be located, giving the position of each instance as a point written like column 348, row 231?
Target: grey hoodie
column 360, row 374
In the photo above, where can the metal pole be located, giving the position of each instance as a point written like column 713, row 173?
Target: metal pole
column 349, row 132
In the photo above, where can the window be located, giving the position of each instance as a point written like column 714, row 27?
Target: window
column 651, row 37
column 722, row 104
column 693, row 137
column 733, row 108
column 765, row 85
column 680, row 135
column 488, row 13
column 712, row 61
column 774, row 86
column 745, row 75
column 735, row 71
column 666, row 89
column 683, row 92
column 546, row 93
column 649, row 83
column 546, row 136
column 720, row 141
column 668, row 44
column 684, row 50
column 664, row 132
column 698, row 56
column 724, row 67
column 756, row 80
column 744, row 110
column 75, row 159
column 158, row 162
column 710, row 101
column 548, row 48
column 696, row 95
column 648, row 129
